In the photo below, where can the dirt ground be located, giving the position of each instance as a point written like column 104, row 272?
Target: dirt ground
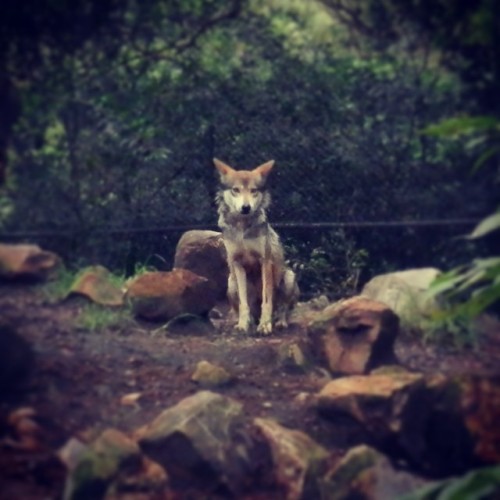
column 80, row 377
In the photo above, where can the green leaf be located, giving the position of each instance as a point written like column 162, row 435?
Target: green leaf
column 482, row 298
column 445, row 282
column 484, row 158
column 476, row 484
column 457, row 127
column 491, row 223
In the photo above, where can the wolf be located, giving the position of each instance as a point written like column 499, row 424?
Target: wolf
column 259, row 283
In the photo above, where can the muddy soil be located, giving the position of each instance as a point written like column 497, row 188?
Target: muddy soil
column 80, row 377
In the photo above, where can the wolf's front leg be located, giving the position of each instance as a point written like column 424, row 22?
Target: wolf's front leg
column 244, row 318
column 266, row 318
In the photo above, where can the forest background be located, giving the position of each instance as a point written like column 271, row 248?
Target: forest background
column 382, row 116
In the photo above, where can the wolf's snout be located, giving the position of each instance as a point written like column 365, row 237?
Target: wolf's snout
column 245, row 209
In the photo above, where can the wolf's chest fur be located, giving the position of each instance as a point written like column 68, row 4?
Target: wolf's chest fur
column 245, row 241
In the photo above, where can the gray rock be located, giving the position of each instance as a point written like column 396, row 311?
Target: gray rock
column 405, row 293
column 365, row 474
column 202, row 443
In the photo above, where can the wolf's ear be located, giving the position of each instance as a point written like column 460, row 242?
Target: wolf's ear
column 223, row 169
column 264, row 169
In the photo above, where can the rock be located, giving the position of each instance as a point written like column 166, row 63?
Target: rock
column 405, row 293
column 297, row 459
column 292, row 357
column 165, row 295
column 27, row 262
column 17, row 360
column 210, row 375
column 378, row 402
column 189, row 324
column 23, row 425
column 201, row 442
column 305, row 312
column 149, row 481
column 365, row 474
column 354, row 336
column 439, row 425
column 97, row 466
column 480, row 404
column 203, row 253
column 95, row 283
column 131, row 399
column 71, row 453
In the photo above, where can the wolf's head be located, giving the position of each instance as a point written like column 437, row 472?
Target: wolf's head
column 243, row 190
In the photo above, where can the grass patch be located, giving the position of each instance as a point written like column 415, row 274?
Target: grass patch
column 94, row 317
column 57, row 289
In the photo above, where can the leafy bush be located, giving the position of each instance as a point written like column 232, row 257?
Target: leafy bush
column 480, row 484
column 470, row 289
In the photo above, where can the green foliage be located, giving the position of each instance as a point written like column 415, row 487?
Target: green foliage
column 479, row 484
column 470, row 289
column 119, row 133
column 331, row 266
column 486, row 226
column 480, row 280
column 480, row 132
column 465, row 292
column 459, row 36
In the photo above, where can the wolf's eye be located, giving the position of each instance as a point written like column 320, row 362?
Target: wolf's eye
column 254, row 190
column 235, row 190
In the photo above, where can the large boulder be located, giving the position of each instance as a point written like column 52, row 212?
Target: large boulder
column 27, row 262
column 354, row 336
column 202, row 443
column 440, row 425
column 165, row 295
column 297, row 459
column 405, row 293
column 203, row 253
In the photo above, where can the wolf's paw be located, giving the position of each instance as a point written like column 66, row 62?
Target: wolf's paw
column 281, row 323
column 265, row 328
column 244, row 326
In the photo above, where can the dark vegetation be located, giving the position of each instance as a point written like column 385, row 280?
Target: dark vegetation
column 112, row 112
